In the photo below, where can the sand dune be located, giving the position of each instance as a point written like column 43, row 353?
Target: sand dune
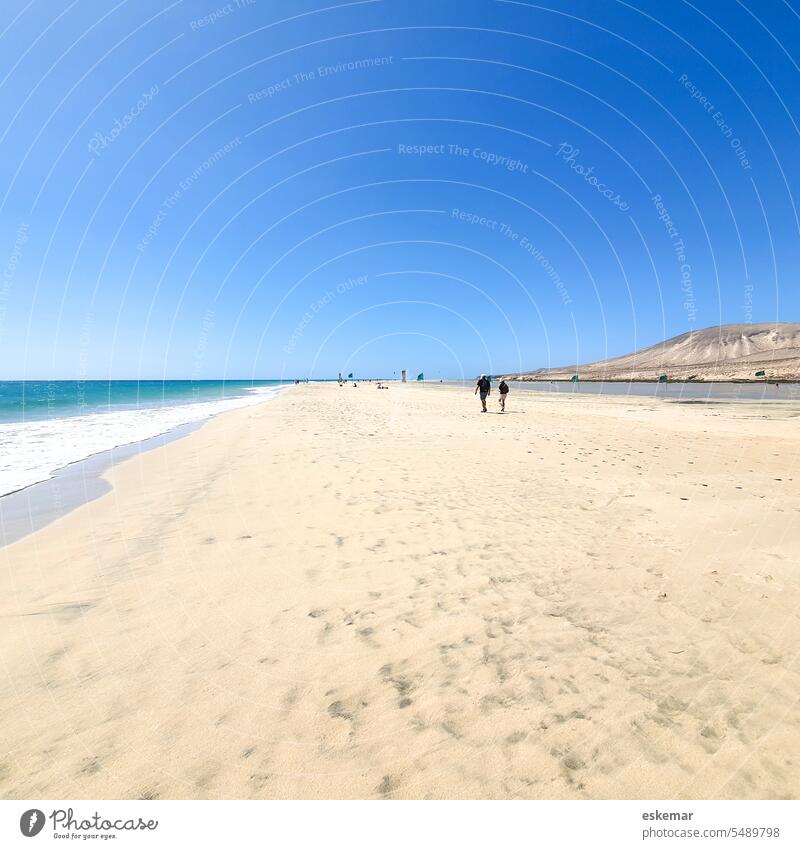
column 353, row 593
column 724, row 352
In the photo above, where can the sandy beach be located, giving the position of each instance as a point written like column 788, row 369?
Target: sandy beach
column 347, row 593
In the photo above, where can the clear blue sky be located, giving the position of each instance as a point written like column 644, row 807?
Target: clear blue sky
column 215, row 189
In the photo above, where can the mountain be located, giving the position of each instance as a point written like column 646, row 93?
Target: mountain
column 723, row 352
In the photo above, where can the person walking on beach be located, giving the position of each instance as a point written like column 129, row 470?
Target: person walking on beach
column 503, row 387
column 484, row 387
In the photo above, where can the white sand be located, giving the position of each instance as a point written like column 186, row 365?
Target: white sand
column 356, row 593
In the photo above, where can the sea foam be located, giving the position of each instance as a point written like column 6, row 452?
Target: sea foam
column 31, row 451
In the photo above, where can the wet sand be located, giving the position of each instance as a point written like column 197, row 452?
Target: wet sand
column 386, row 594
column 36, row 506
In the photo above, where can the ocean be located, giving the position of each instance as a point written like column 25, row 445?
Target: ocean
column 46, row 425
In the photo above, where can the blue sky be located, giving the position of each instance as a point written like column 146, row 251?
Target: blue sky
column 281, row 189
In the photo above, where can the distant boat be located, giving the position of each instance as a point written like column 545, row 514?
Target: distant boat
column 420, row 376
column 350, row 375
column 662, row 378
column 761, row 374
column 574, row 378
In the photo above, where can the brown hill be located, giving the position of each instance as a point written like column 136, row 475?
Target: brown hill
column 724, row 352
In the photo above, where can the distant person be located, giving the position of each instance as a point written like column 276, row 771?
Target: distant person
column 503, row 388
column 484, row 387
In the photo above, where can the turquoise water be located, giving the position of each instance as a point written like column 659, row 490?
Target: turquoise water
column 36, row 400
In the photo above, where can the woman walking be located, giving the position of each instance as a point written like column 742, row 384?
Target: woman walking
column 503, row 392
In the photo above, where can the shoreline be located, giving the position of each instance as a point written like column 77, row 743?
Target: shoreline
column 36, row 447
column 345, row 594
column 36, row 505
